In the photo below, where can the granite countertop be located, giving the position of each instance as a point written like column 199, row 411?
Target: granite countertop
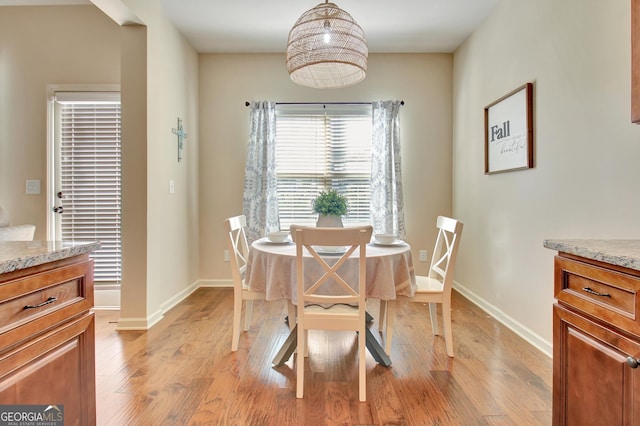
column 624, row 253
column 15, row 255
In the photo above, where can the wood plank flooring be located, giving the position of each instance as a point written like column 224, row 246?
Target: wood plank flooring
column 182, row 371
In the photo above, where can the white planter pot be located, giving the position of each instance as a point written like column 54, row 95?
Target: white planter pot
column 329, row 221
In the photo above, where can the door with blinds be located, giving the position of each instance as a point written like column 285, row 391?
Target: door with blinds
column 86, row 179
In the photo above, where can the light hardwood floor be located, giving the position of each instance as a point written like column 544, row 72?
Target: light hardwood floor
column 182, row 372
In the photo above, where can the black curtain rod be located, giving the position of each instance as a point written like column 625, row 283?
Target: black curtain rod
column 247, row 103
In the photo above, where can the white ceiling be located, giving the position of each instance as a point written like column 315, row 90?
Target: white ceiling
column 263, row 25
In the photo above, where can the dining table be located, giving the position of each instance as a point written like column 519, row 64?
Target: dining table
column 271, row 269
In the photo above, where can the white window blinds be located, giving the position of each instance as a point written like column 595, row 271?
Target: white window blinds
column 89, row 174
column 320, row 147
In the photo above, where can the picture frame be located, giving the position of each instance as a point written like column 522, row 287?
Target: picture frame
column 508, row 132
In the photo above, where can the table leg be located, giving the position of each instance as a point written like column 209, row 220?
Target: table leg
column 289, row 347
column 376, row 350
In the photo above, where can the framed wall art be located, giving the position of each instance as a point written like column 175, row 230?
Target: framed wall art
column 508, row 132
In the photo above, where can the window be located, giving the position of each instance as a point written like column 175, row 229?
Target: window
column 87, row 145
column 320, row 147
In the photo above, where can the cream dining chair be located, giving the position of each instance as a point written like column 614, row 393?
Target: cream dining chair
column 340, row 307
column 436, row 287
column 239, row 251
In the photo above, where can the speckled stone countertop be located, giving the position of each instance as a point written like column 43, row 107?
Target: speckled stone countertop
column 15, row 255
column 624, row 253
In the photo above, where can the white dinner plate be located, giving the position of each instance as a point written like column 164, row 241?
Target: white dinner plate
column 395, row 243
column 330, row 249
column 266, row 240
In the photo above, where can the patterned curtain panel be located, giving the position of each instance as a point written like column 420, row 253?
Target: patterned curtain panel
column 259, row 201
column 387, row 206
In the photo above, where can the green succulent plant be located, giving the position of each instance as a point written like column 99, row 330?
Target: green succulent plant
column 330, row 203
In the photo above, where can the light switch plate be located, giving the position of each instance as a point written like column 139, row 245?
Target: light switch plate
column 33, row 187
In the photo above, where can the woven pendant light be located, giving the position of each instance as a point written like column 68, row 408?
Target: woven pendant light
column 326, row 49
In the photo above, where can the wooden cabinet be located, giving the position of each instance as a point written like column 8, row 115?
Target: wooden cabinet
column 47, row 347
column 596, row 343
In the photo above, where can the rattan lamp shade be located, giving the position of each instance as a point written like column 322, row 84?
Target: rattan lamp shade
column 326, row 49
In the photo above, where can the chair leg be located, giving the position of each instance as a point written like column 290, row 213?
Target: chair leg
column 446, row 325
column 306, row 343
column 362, row 364
column 248, row 306
column 391, row 317
column 237, row 315
column 291, row 312
column 381, row 315
column 433, row 313
column 300, row 363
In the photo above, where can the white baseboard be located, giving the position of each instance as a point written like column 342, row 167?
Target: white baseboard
column 107, row 298
column 139, row 323
column 534, row 339
column 151, row 320
column 215, row 283
column 166, row 306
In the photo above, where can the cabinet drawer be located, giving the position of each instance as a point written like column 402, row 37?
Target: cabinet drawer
column 610, row 296
column 31, row 304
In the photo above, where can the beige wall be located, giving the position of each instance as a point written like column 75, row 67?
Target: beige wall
column 158, row 72
column 84, row 50
column 423, row 81
column 585, row 181
column 173, row 218
column 166, row 263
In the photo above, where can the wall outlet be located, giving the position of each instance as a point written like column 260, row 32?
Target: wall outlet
column 423, row 255
column 32, row 187
column 227, row 257
column 172, row 187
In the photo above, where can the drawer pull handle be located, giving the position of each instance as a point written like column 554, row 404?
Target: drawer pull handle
column 595, row 293
column 632, row 362
column 46, row 302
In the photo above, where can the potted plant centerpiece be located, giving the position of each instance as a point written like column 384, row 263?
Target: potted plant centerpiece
column 330, row 206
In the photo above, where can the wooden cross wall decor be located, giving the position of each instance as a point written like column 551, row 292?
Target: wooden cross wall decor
column 182, row 135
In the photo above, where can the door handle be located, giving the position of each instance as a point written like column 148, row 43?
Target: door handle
column 58, row 209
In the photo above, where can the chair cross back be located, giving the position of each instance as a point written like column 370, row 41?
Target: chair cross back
column 354, row 239
column 239, row 247
column 330, row 271
column 448, row 232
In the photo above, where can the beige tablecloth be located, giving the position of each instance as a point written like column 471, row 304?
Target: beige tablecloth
column 272, row 269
